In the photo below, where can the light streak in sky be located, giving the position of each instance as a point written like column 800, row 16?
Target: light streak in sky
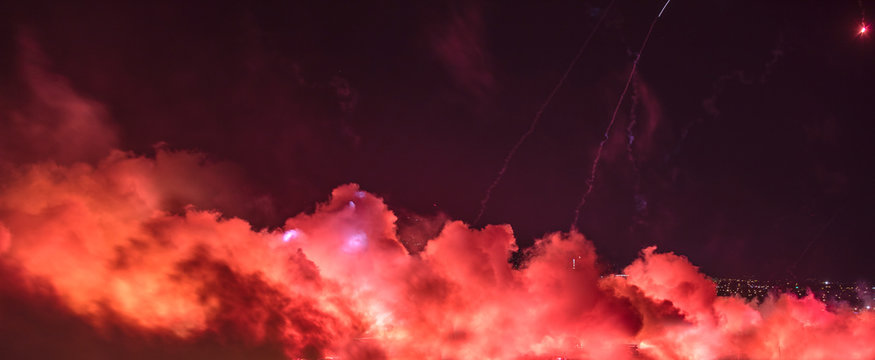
column 598, row 156
column 538, row 114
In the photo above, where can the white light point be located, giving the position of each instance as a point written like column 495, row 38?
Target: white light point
column 290, row 235
column 355, row 242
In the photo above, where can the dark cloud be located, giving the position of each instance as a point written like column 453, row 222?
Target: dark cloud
column 52, row 121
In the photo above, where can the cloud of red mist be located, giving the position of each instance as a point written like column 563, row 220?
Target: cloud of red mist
column 126, row 257
column 458, row 44
column 52, row 122
column 338, row 282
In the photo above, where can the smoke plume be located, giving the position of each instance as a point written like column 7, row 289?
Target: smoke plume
column 93, row 246
column 106, row 254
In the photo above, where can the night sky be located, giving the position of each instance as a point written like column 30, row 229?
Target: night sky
column 754, row 119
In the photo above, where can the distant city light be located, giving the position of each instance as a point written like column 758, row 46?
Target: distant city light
column 822, row 289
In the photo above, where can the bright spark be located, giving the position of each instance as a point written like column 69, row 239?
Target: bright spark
column 355, row 242
column 290, row 234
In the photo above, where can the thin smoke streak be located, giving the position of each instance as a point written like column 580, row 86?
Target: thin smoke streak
column 630, row 129
column 538, row 114
column 814, row 239
column 640, row 203
column 598, row 155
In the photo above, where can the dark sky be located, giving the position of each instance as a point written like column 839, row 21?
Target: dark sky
column 752, row 141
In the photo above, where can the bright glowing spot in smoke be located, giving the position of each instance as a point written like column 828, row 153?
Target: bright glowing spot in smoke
column 290, row 235
column 355, row 242
column 862, row 29
column 351, row 204
column 360, row 194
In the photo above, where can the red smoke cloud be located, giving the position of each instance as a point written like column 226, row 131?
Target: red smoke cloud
column 338, row 282
column 126, row 257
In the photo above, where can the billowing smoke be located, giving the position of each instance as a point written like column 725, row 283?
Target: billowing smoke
column 95, row 243
column 128, row 257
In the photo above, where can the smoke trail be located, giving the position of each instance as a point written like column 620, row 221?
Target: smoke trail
column 538, row 114
column 640, row 201
column 630, row 128
column 814, row 239
column 595, row 163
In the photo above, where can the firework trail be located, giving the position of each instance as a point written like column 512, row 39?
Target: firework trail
column 812, row 241
column 598, row 155
column 538, row 114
